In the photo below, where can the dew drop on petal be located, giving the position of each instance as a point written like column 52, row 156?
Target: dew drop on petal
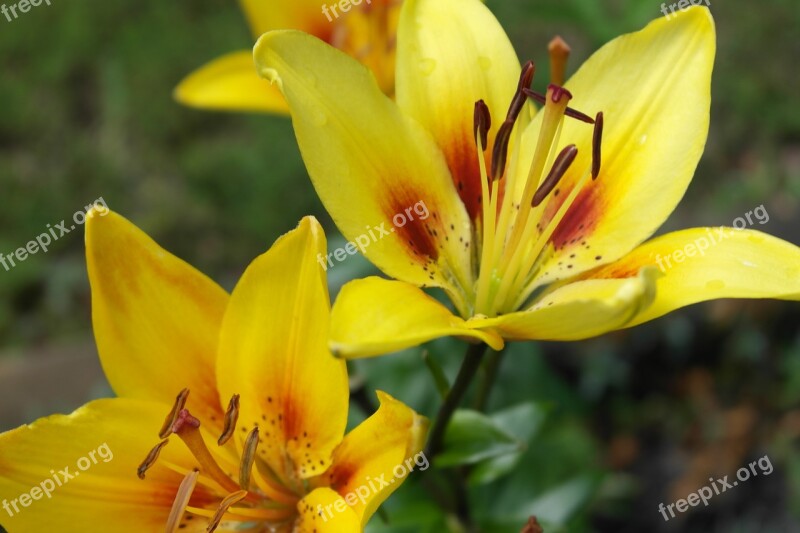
column 427, row 66
column 310, row 78
column 485, row 62
column 715, row 285
column 320, row 118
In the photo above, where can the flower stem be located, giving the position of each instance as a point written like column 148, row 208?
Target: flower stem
column 470, row 366
column 489, row 377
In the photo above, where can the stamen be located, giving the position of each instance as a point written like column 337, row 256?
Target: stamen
column 483, row 122
column 518, row 102
column 562, row 163
column 597, row 141
column 248, row 457
column 177, row 407
column 229, row 501
column 489, row 205
column 572, row 113
column 544, row 238
column 249, row 514
column 525, row 79
column 151, row 458
column 559, row 54
column 500, row 149
column 231, row 417
column 182, row 498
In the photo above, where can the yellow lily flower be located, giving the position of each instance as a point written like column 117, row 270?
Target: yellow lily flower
column 364, row 29
column 284, row 463
column 541, row 237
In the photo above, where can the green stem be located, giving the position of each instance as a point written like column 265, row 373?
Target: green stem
column 470, row 366
column 489, row 376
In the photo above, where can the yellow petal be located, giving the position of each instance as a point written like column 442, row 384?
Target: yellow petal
column 325, row 511
column 654, row 87
column 377, row 456
column 702, row 264
column 578, row 310
column 274, row 353
column 450, row 54
column 374, row 316
column 230, row 83
column 370, row 164
column 305, row 15
column 87, row 463
column 156, row 319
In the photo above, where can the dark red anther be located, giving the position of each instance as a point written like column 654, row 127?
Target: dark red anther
column 597, row 141
column 526, row 77
column 482, row 121
column 560, row 167
column 500, row 150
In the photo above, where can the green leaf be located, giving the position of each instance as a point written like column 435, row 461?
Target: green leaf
column 521, row 421
column 563, row 502
column 472, row 437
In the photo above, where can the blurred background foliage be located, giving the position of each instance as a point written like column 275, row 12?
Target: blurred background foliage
column 602, row 431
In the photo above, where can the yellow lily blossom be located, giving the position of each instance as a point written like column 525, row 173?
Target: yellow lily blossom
column 275, row 459
column 540, row 238
column 364, row 29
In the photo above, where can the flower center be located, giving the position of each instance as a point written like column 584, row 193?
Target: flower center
column 211, row 491
column 518, row 224
column 368, row 32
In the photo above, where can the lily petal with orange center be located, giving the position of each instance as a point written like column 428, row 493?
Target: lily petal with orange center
column 233, row 410
column 367, row 32
column 525, row 209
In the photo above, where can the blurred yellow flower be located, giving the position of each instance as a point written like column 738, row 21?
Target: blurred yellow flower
column 276, row 459
column 364, row 29
column 540, row 237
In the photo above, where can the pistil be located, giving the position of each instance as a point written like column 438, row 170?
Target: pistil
column 557, row 100
column 559, row 54
column 187, row 428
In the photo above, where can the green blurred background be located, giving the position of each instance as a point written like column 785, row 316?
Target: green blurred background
column 618, row 424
